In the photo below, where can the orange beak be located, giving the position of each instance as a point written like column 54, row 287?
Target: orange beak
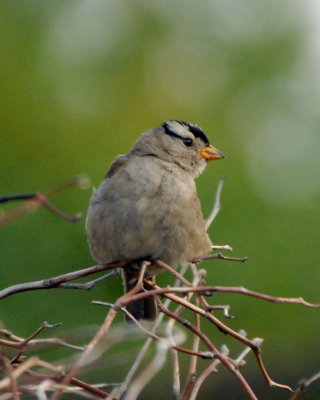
column 210, row 153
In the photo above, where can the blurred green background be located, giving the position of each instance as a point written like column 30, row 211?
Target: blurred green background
column 80, row 80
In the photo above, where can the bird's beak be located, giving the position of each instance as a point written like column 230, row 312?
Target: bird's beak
column 210, row 153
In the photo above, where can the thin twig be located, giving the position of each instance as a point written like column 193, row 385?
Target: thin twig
column 220, row 289
column 89, row 349
column 224, row 328
column 82, row 181
column 70, row 218
column 76, row 382
column 104, row 329
column 170, row 325
column 62, row 383
column 303, row 386
column 152, row 335
column 40, row 390
column 21, row 344
column 208, row 371
column 149, row 372
column 213, row 349
column 225, row 308
column 217, row 205
column 193, row 361
column 56, row 281
column 238, row 362
column 35, row 200
column 6, row 199
column 31, row 362
column 169, row 292
column 265, row 297
column 220, row 256
column 142, row 353
column 14, row 385
column 123, row 387
column 91, row 284
column 173, row 272
column 34, row 342
column 223, row 247
column 175, row 360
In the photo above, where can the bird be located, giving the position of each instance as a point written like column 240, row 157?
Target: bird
column 147, row 206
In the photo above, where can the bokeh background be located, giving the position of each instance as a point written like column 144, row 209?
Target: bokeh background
column 80, row 80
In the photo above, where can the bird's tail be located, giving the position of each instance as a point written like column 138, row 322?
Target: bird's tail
column 145, row 308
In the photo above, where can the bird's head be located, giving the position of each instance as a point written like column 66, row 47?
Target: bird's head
column 178, row 142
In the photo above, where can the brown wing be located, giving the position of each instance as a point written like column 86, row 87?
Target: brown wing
column 116, row 165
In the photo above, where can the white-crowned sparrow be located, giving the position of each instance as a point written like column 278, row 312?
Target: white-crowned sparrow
column 147, row 206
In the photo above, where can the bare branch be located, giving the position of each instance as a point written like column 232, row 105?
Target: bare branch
column 152, row 335
column 142, row 353
column 104, row 329
column 31, row 362
column 218, row 255
column 56, row 281
column 217, row 205
column 60, row 382
column 150, row 371
column 223, row 247
column 91, row 284
column 265, row 297
column 21, row 344
column 173, row 272
column 208, row 371
column 221, row 289
column 76, row 382
column 213, row 349
column 169, row 292
column 86, row 354
column 59, row 213
column 12, row 378
column 6, row 199
column 34, row 342
column 193, row 362
column 35, row 200
column 303, row 386
column 198, row 275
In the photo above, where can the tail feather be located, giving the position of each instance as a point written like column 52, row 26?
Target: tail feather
column 141, row 309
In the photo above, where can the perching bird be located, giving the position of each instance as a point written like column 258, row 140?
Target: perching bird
column 147, row 206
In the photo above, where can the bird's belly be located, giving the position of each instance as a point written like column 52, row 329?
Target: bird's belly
column 166, row 224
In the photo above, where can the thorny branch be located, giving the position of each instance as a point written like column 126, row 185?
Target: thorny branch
column 191, row 296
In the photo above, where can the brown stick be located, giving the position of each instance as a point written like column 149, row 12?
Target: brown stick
column 57, row 281
column 222, row 289
column 212, row 348
column 74, row 381
column 89, row 349
column 219, row 256
column 35, row 200
column 13, row 381
column 104, row 329
column 170, row 293
column 21, row 344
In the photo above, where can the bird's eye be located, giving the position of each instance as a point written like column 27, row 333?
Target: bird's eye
column 187, row 141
